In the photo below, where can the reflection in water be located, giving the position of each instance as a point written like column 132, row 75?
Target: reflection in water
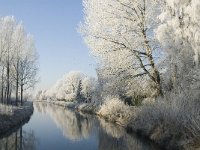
column 113, row 137
column 112, row 129
column 19, row 140
column 73, row 125
column 79, row 131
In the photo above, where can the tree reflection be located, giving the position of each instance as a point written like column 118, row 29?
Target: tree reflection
column 78, row 126
column 113, row 137
column 73, row 125
column 19, row 140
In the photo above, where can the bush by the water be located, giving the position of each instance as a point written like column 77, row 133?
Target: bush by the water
column 173, row 121
column 113, row 109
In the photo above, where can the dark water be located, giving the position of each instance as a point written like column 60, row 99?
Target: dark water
column 55, row 128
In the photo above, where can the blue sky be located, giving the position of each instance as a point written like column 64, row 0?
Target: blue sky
column 53, row 25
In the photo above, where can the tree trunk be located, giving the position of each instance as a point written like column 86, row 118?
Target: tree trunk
column 10, row 92
column 2, row 82
column 22, row 90
column 155, row 72
column 154, row 75
column 17, row 88
column 5, row 93
column 8, row 84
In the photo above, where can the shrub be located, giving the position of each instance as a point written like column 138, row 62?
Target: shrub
column 113, row 109
column 172, row 121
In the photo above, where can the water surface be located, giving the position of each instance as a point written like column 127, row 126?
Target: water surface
column 55, row 128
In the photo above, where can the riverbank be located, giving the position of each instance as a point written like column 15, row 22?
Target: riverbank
column 11, row 116
column 116, row 113
column 160, row 123
column 172, row 126
column 113, row 111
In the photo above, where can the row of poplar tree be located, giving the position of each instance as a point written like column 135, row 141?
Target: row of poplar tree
column 18, row 61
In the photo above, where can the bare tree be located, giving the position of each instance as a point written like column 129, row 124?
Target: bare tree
column 28, row 67
column 18, row 59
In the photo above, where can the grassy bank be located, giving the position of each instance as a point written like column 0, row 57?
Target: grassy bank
column 12, row 116
column 172, row 121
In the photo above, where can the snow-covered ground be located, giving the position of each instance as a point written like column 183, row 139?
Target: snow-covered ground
column 12, row 116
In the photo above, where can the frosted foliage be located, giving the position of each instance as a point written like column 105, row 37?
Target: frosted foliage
column 180, row 27
column 41, row 95
column 115, row 110
column 14, row 39
column 112, row 105
column 175, row 116
column 66, row 88
column 174, row 3
column 120, row 33
column 89, row 88
column 7, row 26
column 18, row 58
column 110, row 20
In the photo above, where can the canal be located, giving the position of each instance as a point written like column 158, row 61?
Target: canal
column 56, row 128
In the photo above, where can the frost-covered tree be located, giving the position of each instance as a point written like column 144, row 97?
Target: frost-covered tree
column 79, row 95
column 6, row 34
column 180, row 38
column 120, row 33
column 74, row 86
column 18, row 47
column 72, row 80
column 66, row 87
column 41, row 95
column 28, row 67
column 15, row 53
column 89, row 89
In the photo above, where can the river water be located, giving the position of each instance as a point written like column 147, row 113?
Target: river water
column 55, row 128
